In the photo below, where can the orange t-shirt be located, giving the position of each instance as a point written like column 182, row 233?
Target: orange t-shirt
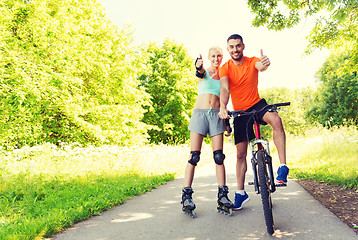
column 243, row 82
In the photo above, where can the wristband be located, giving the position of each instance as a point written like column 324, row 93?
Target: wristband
column 199, row 74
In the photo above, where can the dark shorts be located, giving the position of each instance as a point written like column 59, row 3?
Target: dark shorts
column 243, row 125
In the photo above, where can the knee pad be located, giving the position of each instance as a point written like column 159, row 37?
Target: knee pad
column 219, row 157
column 195, row 157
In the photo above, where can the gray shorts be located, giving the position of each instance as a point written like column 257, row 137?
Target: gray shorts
column 207, row 121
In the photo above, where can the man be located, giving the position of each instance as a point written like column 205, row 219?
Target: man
column 239, row 78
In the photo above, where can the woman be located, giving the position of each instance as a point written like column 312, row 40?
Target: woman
column 205, row 120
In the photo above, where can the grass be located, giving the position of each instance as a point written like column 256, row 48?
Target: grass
column 329, row 155
column 46, row 189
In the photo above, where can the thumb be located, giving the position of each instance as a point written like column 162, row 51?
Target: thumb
column 201, row 57
column 262, row 53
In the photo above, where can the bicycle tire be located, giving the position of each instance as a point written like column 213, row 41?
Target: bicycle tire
column 265, row 192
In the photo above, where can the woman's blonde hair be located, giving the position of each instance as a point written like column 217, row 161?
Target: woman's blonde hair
column 215, row 48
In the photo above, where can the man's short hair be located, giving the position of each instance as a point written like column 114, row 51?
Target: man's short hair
column 235, row 36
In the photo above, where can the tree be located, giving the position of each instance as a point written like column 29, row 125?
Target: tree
column 340, row 24
column 337, row 100
column 171, row 84
column 336, row 29
column 67, row 74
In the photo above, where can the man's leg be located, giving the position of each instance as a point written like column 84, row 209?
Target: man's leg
column 241, row 164
column 241, row 196
column 279, row 136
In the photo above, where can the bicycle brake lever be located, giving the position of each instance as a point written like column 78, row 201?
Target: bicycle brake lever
column 280, row 109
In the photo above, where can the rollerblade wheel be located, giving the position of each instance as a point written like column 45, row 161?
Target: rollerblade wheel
column 191, row 213
column 230, row 212
column 225, row 210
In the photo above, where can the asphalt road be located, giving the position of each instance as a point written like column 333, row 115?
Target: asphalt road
column 158, row 215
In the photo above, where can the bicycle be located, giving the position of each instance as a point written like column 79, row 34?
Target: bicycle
column 261, row 161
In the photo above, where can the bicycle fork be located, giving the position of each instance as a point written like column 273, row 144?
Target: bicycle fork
column 262, row 145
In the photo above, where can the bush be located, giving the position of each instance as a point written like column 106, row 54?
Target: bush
column 293, row 115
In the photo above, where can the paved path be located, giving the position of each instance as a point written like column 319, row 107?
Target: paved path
column 157, row 215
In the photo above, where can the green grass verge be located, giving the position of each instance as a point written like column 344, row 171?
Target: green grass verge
column 46, row 189
column 33, row 207
column 329, row 155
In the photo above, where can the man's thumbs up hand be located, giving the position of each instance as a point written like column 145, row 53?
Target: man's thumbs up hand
column 264, row 59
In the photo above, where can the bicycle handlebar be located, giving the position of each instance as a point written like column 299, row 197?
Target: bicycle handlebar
column 282, row 104
column 271, row 108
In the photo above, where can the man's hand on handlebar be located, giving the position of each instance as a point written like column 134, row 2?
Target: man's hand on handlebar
column 223, row 114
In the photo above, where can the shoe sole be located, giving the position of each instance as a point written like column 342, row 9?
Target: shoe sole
column 281, row 182
column 242, row 204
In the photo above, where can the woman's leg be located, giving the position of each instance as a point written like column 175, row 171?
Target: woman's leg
column 195, row 145
column 217, row 142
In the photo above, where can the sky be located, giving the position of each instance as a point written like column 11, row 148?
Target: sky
column 201, row 24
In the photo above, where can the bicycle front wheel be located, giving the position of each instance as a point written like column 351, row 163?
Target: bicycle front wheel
column 265, row 191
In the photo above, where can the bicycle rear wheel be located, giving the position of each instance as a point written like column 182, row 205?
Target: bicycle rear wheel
column 265, row 191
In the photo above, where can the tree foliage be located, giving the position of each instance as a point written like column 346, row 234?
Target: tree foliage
column 336, row 101
column 66, row 74
column 339, row 23
column 293, row 115
column 171, row 84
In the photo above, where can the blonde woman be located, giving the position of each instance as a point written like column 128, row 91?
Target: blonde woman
column 205, row 120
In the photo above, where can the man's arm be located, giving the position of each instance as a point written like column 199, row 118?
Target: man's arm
column 224, row 97
column 263, row 64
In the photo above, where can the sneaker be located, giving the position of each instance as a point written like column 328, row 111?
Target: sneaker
column 240, row 200
column 282, row 173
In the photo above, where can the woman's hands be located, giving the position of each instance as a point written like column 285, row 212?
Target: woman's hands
column 199, row 63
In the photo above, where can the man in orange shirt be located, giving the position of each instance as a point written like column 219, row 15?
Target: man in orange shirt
column 239, row 78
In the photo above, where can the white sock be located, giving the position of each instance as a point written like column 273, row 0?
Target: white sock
column 282, row 164
column 241, row 192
